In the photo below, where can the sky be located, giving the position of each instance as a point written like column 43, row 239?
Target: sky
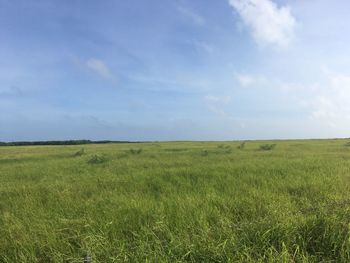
column 174, row 69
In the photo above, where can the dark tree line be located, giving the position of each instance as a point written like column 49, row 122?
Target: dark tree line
column 67, row 142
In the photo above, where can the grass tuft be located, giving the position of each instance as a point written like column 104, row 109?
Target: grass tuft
column 79, row 153
column 241, row 146
column 97, row 159
column 136, row 151
column 267, row 147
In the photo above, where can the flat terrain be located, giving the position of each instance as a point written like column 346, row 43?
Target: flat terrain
column 176, row 202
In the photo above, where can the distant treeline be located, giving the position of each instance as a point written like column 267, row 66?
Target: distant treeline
column 68, row 142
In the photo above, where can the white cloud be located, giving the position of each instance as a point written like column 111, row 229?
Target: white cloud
column 202, row 45
column 324, row 108
column 268, row 23
column 331, row 106
column 196, row 18
column 325, row 103
column 218, row 99
column 254, row 81
column 245, row 80
column 216, row 104
column 99, row 67
column 264, row 82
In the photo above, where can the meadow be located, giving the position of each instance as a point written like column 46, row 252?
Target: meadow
column 176, row 202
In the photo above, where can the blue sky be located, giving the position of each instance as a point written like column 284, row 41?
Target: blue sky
column 174, row 69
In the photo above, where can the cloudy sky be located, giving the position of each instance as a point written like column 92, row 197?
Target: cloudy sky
column 174, row 69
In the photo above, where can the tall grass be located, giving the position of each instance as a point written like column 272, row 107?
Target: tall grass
column 202, row 204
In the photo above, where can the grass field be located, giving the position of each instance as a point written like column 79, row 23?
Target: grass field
column 176, row 202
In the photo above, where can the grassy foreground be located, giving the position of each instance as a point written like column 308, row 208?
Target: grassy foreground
column 176, row 202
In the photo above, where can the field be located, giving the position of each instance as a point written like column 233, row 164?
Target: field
column 176, row 202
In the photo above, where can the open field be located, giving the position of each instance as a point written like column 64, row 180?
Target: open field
column 176, row 202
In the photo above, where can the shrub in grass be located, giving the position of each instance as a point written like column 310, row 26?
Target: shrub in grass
column 204, row 153
column 267, row 147
column 79, row 153
column 226, row 147
column 241, row 146
column 347, row 144
column 136, row 151
column 97, row 159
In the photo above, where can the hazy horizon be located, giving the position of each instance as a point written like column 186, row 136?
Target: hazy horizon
column 164, row 70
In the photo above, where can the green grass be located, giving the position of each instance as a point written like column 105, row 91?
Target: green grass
column 176, row 202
